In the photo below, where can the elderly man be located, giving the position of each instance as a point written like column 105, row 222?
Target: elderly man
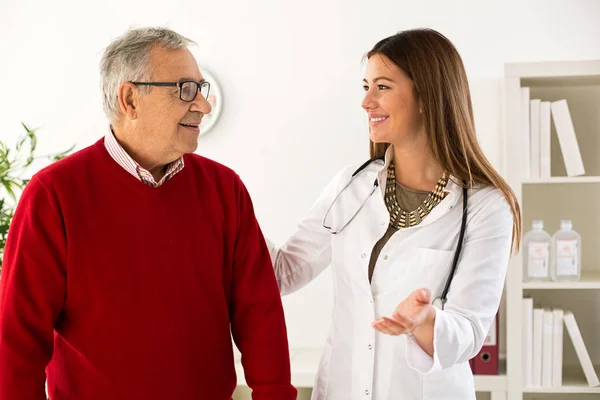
column 131, row 263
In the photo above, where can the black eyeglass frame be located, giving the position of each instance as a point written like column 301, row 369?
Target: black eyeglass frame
column 199, row 85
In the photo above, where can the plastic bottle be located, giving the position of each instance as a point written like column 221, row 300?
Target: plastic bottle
column 565, row 253
column 536, row 253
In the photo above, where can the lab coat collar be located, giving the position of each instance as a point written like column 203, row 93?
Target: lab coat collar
column 453, row 190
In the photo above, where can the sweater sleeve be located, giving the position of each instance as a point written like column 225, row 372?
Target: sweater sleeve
column 257, row 318
column 32, row 292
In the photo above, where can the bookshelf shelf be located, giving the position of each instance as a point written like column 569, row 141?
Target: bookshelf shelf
column 562, row 179
column 554, row 70
column 573, row 382
column 587, row 281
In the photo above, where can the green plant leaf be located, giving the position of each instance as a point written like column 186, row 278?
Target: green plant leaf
column 31, row 136
column 9, row 189
column 5, row 163
column 22, row 139
column 12, row 165
column 61, row 155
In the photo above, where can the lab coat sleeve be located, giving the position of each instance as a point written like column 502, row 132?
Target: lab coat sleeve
column 308, row 251
column 474, row 296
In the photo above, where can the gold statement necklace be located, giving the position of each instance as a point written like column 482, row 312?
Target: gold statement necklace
column 400, row 218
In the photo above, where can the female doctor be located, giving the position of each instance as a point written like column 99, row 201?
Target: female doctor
column 407, row 315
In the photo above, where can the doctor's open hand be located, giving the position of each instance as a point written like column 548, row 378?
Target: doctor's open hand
column 414, row 312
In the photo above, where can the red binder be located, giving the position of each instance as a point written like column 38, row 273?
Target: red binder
column 486, row 361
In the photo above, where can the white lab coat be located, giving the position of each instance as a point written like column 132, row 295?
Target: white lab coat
column 358, row 362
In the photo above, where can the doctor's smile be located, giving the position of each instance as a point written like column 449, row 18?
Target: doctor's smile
column 376, row 119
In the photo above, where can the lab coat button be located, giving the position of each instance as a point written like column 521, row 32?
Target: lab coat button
column 363, row 255
column 385, row 257
column 383, row 223
column 367, row 392
column 370, row 347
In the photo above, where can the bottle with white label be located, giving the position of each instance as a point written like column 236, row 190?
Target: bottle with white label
column 536, row 253
column 566, row 253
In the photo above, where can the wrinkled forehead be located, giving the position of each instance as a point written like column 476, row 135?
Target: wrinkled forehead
column 173, row 65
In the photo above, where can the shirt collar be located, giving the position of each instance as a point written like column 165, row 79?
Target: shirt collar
column 121, row 157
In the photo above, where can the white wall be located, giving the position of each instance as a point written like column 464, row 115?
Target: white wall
column 291, row 74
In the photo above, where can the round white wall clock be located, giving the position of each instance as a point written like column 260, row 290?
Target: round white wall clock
column 215, row 98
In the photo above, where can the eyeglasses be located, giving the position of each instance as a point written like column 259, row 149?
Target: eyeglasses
column 187, row 89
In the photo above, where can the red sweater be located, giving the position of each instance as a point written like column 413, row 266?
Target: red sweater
column 118, row 290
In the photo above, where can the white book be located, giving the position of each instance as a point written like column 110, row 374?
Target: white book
column 557, row 348
column 547, row 347
column 538, row 334
column 534, row 128
column 580, row 349
column 566, row 137
column 545, row 122
column 527, row 341
column 524, row 131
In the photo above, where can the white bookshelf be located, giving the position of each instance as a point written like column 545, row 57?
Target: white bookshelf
column 552, row 199
column 589, row 280
column 573, row 382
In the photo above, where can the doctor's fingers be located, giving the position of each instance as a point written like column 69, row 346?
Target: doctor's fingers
column 409, row 321
column 390, row 327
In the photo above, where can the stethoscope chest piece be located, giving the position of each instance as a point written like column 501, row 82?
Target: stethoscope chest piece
column 438, row 303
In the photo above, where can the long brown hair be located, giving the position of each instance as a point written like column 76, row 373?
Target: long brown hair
column 440, row 80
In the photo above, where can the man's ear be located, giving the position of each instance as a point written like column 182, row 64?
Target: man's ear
column 128, row 97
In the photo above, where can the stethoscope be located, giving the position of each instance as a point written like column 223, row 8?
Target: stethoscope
column 439, row 301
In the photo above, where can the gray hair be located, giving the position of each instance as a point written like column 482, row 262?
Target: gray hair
column 127, row 58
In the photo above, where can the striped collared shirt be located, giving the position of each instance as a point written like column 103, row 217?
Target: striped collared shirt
column 118, row 153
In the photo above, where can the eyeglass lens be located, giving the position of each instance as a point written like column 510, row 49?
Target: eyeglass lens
column 189, row 90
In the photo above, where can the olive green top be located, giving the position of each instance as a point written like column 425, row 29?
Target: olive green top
column 408, row 200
